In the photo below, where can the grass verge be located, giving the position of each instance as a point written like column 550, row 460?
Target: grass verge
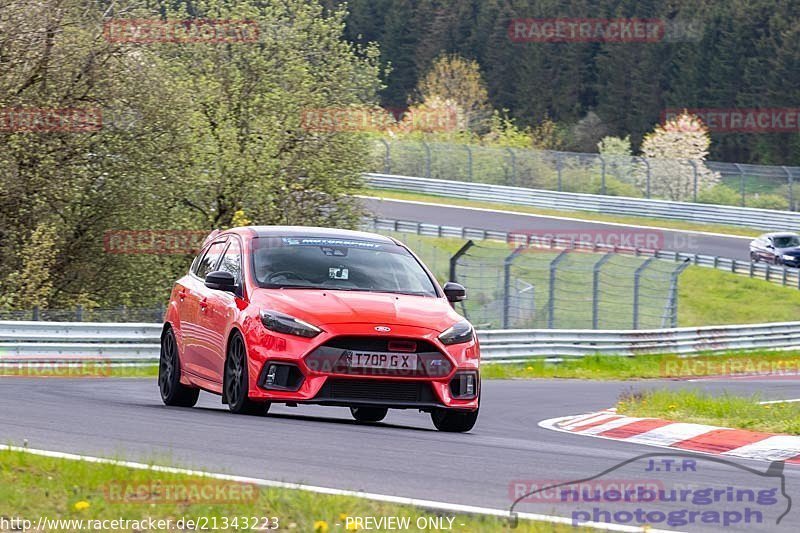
column 726, row 410
column 583, row 215
column 671, row 366
column 33, row 486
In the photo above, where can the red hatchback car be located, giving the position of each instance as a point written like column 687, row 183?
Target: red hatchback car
column 319, row 316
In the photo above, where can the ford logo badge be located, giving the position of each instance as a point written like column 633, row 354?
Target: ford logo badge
column 383, row 329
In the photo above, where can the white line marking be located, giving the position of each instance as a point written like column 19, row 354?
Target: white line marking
column 794, row 400
column 613, row 424
column 399, row 500
column 588, row 419
column 554, row 217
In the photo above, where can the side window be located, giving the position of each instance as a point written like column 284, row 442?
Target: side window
column 232, row 260
column 209, row 261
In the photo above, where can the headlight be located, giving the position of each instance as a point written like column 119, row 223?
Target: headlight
column 788, row 257
column 457, row 333
column 283, row 323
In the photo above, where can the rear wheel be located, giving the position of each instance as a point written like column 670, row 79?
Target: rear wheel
column 753, row 257
column 369, row 414
column 454, row 421
column 173, row 392
column 236, row 383
column 778, row 261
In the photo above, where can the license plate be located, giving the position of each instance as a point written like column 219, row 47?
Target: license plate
column 383, row 360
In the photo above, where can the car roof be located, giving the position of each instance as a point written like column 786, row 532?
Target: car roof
column 310, row 231
column 780, row 234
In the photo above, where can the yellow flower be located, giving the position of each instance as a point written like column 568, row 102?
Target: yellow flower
column 81, row 505
column 672, row 406
column 321, row 526
column 351, row 526
column 342, row 516
column 529, row 368
column 767, row 407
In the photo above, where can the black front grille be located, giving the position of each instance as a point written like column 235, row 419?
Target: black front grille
column 377, row 392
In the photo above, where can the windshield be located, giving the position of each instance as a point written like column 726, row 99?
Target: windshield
column 786, row 241
column 338, row 264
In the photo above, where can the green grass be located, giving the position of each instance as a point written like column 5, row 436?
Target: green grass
column 583, row 215
column 725, row 410
column 608, row 367
column 712, row 297
column 33, row 486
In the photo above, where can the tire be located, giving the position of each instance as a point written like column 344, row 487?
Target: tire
column 753, row 257
column 777, row 261
column 369, row 414
column 173, row 392
column 236, row 382
column 453, row 421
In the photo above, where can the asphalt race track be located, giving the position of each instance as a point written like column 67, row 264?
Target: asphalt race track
column 404, row 456
column 682, row 241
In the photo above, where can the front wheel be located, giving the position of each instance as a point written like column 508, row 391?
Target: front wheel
column 754, row 257
column 454, row 421
column 173, row 392
column 369, row 414
column 236, row 382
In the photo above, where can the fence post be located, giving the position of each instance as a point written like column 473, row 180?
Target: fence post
column 636, row 276
column 513, row 166
column 790, row 183
column 507, row 284
column 35, row 313
column 469, row 162
column 596, row 287
column 741, row 181
column 559, row 168
column 647, row 176
column 454, row 260
column 552, row 289
column 673, row 293
column 427, row 159
column 387, row 158
column 79, row 313
column 602, row 174
column 694, row 176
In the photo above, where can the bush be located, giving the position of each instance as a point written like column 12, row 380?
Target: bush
column 720, row 195
column 768, row 201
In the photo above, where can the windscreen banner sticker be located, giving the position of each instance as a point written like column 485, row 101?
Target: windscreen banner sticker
column 338, row 273
column 307, row 241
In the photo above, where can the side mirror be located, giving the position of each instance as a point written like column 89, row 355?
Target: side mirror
column 221, row 281
column 455, row 292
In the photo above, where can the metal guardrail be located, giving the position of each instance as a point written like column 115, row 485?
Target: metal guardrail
column 786, row 276
column 39, row 342
column 765, row 219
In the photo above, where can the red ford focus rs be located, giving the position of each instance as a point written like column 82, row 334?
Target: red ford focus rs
column 319, row 316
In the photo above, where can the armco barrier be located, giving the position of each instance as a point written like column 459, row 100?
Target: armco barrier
column 765, row 219
column 124, row 344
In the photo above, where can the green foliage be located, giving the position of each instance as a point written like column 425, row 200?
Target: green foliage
column 768, row 201
column 192, row 134
column 720, row 195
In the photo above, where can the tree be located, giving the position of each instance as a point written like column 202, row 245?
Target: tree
column 454, row 78
column 676, row 151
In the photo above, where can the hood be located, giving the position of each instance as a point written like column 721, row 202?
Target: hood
column 320, row 307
